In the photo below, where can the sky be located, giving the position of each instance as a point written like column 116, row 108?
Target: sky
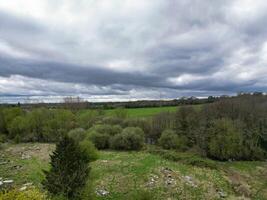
column 116, row 50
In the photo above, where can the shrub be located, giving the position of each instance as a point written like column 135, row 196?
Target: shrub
column 89, row 150
column 170, row 140
column 112, row 120
column 130, row 139
column 69, row 169
column 32, row 194
column 100, row 140
column 78, row 134
column 225, row 141
column 133, row 130
column 107, row 129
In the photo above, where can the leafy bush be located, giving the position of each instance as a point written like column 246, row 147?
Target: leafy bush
column 133, row 130
column 78, row 134
column 225, row 141
column 131, row 138
column 69, row 169
column 107, row 129
column 30, row 194
column 89, row 150
column 87, row 118
column 100, row 140
column 170, row 140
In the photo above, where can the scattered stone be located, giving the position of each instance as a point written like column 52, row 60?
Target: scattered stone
column 17, row 167
column 8, row 181
column 222, row 194
column 25, row 156
column 152, row 181
column 189, row 181
column 102, row 192
column 1, row 183
column 23, row 188
column 27, row 184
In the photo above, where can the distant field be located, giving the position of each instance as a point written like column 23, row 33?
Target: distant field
column 148, row 112
column 145, row 112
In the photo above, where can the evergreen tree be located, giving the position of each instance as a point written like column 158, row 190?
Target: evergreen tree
column 69, row 169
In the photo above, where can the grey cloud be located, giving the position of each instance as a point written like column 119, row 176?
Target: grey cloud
column 159, row 41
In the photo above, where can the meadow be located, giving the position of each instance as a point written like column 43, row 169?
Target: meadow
column 144, row 175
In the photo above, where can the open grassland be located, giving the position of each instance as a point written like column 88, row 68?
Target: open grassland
column 130, row 175
column 147, row 112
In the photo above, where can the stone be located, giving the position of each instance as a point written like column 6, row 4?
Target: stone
column 8, row 181
column 1, row 183
column 25, row 156
column 222, row 194
column 102, row 192
column 23, row 188
column 27, row 184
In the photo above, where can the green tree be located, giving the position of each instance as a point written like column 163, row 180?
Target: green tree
column 69, row 169
column 225, row 141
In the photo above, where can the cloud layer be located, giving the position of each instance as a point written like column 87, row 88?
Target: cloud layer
column 121, row 50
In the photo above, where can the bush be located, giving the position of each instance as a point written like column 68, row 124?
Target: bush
column 225, row 141
column 32, row 194
column 133, row 130
column 100, row 140
column 89, row 150
column 170, row 140
column 107, row 129
column 130, row 139
column 69, row 169
column 78, row 134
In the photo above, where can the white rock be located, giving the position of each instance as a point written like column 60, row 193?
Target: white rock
column 8, row 181
column 102, row 192
column 23, row 188
column 1, row 183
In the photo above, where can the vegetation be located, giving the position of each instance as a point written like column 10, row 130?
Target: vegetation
column 228, row 129
column 69, row 169
column 130, row 175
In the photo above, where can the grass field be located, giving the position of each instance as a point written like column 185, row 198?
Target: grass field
column 148, row 112
column 132, row 175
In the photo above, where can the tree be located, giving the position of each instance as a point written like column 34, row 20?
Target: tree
column 170, row 140
column 69, row 169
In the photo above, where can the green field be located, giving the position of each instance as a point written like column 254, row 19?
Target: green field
column 135, row 175
column 147, row 112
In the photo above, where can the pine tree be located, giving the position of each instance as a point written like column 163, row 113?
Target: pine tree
column 69, row 169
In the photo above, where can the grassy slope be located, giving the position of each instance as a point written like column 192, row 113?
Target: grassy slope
column 124, row 173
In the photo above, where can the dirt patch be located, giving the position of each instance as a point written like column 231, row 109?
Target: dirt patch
column 40, row 151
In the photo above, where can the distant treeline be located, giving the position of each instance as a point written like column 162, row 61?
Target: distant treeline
column 77, row 103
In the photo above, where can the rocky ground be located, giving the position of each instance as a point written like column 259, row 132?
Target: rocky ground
column 118, row 175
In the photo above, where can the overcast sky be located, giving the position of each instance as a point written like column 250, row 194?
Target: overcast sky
column 131, row 49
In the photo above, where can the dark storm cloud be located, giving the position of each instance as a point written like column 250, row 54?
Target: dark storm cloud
column 142, row 48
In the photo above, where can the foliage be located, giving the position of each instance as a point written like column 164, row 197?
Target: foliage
column 69, row 169
column 78, row 134
column 30, row 194
column 107, row 129
column 89, row 150
column 100, row 140
column 131, row 138
column 170, row 140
